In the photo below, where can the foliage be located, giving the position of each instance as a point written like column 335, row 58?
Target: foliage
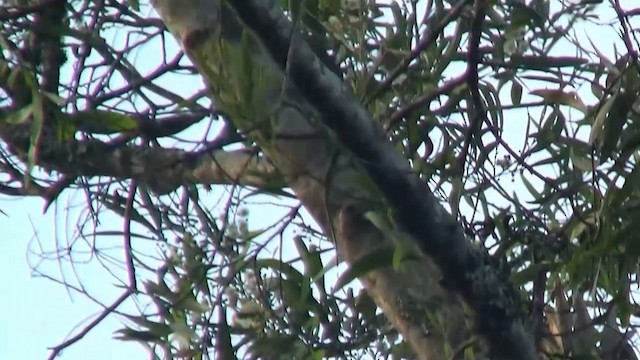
column 537, row 158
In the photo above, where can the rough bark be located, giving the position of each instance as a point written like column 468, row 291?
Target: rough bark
column 162, row 170
column 339, row 185
column 466, row 269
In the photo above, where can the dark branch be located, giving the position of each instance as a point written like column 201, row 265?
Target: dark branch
column 466, row 269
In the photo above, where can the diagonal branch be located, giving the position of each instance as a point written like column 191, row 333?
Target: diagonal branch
column 322, row 174
column 466, row 269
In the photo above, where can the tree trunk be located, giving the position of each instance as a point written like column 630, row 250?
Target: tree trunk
column 244, row 62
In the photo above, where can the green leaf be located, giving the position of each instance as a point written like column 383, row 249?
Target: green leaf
column 159, row 289
column 582, row 162
column 402, row 350
column 523, row 15
column 376, row 259
column 296, row 287
column 545, row 62
column 312, row 261
column 19, row 116
column 381, row 222
column 36, row 132
column 316, row 355
column 598, row 123
column 246, row 75
column 532, row 190
column 492, row 99
column 516, row 93
column 135, row 335
column 403, row 253
column 617, row 117
column 280, row 266
column 457, row 188
column 366, row 306
column 559, row 97
column 157, row 329
column 99, row 121
column 527, row 275
column 55, row 98
column 134, row 5
column 630, row 186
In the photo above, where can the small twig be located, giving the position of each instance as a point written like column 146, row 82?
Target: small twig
column 538, row 303
column 424, row 43
column 58, row 349
column 625, row 34
column 477, row 111
column 464, row 346
column 52, row 192
column 128, row 252
column 404, row 111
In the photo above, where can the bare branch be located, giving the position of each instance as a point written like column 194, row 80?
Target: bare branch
column 103, row 315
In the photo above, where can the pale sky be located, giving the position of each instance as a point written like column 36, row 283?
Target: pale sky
column 37, row 313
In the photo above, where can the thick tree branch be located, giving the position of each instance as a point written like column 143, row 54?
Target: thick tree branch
column 322, row 174
column 162, row 170
column 466, row 269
